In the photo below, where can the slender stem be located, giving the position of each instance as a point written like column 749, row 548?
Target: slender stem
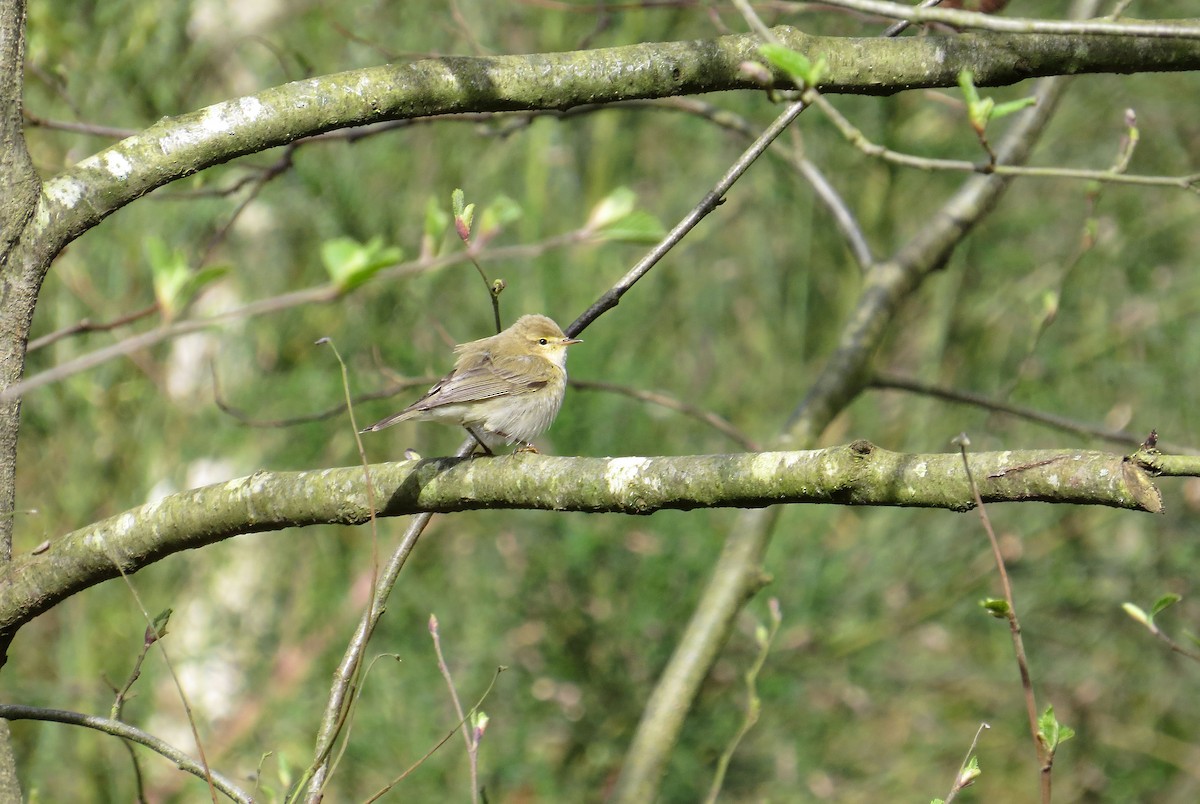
column 986, row 22
column 340, row 693
column 125, row 731
column 464, row 725
column 1014, row 627
column 707, row 204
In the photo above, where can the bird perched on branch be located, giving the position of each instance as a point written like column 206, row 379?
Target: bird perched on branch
column 503, row 389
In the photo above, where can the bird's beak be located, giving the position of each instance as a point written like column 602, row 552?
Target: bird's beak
column 569, row 341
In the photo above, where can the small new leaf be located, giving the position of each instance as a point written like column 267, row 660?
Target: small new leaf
column 969, row 774
column 479, row 724
column 1011, row 107
column 966, row 82
column 157, row 628
column 799, row 67
column 436, row 223
column 462, row 223
column 497, row 215
column 982, row 110
column 349, row 263
column 636, row 227
column 996, row 607
column 464, row 214
column 617, row 218
column 1136, row 613
column 175, row 283
column 1164, row 602
column 612, row 208
column 1053, row 733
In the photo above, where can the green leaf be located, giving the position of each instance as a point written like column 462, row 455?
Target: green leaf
column 350, row 263
column 616, row 217
column 1051, row 731
column 204, row 277
column 637, row 227
column 1136, row 613
column 798, row 66
column 158, row 627
column 457, row 201
column 981, row 110
column 170, row 272
column 436, row 221
column 462, row 223
column 980, row 113
column 996, row 607
column 1164, row 602
column 966, row 82
column 499, row 214
column 175, row 283
column 612, row 208
column 1010, row 107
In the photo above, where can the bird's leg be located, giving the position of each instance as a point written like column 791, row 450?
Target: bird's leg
column 528, row 447
column 487, row 450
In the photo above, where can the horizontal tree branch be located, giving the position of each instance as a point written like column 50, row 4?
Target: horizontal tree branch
column 175, row 147
column 855, row 474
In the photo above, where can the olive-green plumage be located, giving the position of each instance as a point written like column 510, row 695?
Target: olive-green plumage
column 506, row 388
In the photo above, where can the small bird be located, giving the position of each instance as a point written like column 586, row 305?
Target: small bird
column 506, row 388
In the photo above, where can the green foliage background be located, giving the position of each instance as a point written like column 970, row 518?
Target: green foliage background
column 885, row 665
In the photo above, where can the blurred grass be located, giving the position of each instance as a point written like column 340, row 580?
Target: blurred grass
column 885, row 665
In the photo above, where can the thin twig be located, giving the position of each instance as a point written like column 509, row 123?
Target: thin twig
column 183, row 699
column 671, row 403
column 472, row 746
column 975, row 20
column 885, row 380
column 386, row 788
column 765, row 637
column 128, row 732
column 87, row 325
column 965, row 778
column 846, row 222
column 91, row 129
column 706, row 205
column 902, row 26
column 1045, row 759
column 1171, row 643
column 854, row 135
column 337, row 706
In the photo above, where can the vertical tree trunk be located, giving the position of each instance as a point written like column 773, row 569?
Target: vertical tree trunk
column 19, row 283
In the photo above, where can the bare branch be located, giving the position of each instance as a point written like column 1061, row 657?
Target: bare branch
column 986, row 22
column 125, row 731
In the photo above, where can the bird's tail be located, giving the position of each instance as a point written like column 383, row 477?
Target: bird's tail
column 395, row 418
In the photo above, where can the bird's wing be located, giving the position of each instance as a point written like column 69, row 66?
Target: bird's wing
column 483, row 377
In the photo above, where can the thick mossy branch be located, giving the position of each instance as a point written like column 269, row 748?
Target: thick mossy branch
column 179, row 146
column 855, row 474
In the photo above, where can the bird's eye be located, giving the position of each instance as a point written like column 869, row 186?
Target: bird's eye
column 543, row 341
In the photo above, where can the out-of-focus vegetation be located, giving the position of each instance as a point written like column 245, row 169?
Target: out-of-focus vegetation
column 885, row 664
